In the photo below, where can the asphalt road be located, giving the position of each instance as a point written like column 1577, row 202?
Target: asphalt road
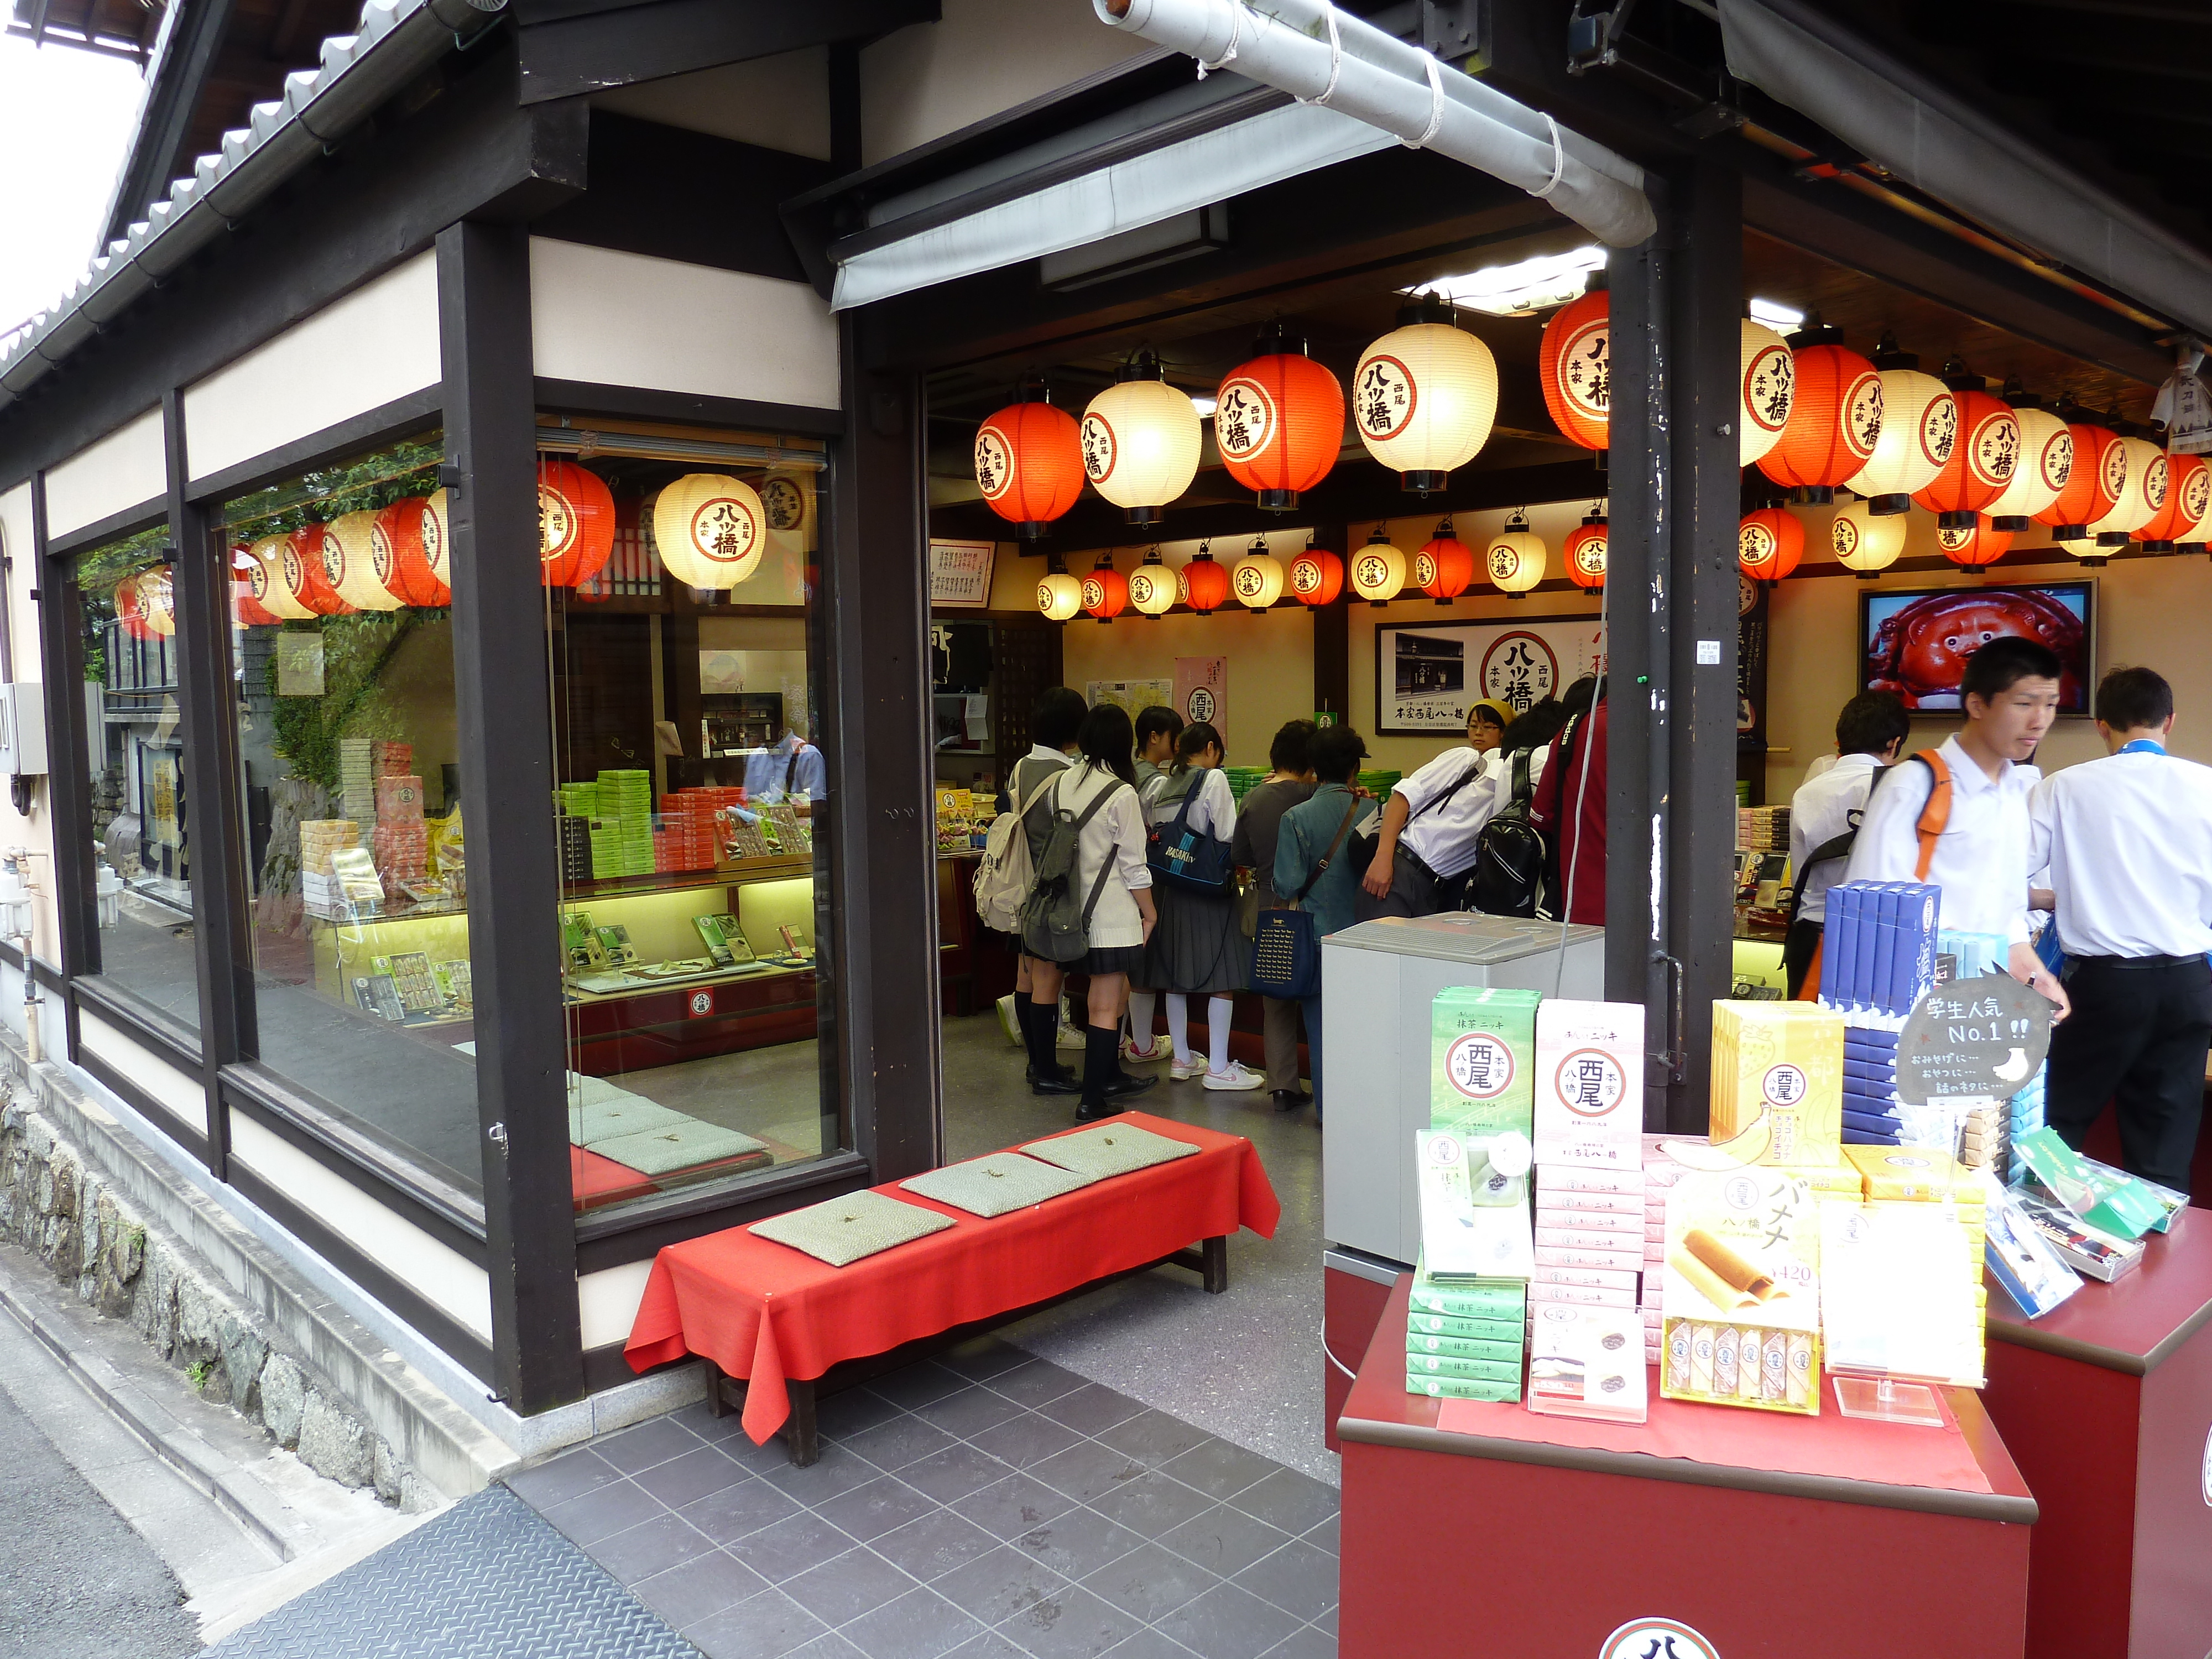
column 76, row 1582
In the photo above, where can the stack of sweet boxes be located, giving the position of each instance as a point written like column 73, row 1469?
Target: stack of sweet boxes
column 1590, row 1193
column 400, row 842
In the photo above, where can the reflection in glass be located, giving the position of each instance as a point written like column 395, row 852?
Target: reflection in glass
column 126, row 598
column 350, row 771
column 681, row 587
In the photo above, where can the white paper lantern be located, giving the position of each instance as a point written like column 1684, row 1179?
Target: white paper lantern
column 1768, row 384
column 1866, row 541
column 155, row 587
column 350, row 563
column 1256, row 578
column 787, row 506
column 1152, row 587
column 1424, row 396
column 1378, row 570
column 1060, row 596
column 1919, row 424
column 2047, row 462
column 2141, row 497
column 266, row 579
column 1515, row 558
column 1141, row 441
column 711, row 529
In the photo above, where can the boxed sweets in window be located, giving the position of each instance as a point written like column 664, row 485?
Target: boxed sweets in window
column 1778, row 1082
column 1474, row 1205
column 1587, row 1362
column 1742, row 1255
column 1588, row 1100
column 1482, row 1060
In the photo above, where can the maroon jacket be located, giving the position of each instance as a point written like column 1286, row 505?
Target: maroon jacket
column 1581, row 844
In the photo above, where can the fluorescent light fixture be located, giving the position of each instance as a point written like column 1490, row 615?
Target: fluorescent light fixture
column 1203, row 402
column 1515, row 290
column 1775, row 315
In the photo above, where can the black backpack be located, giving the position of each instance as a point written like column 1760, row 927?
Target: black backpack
column 1055, row 924
column 1507, row 879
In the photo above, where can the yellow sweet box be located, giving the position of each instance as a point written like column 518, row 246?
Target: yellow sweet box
column 1778, row 1082
column 1922, row 1173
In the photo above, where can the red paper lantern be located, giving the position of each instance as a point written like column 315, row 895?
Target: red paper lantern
column 2093, row 488
column 575, row 523
column 1982, row 458
column 306, row 575
column 128, row 616
column 1205, row 583
column 1768, row 543
column 1029, row 462
column 411, row 550
column 1105, row 592
column 1975, row 545
column 1445, row 568
column 2188, row 497
column 249, row 610
column 1316, row 577
column 1278, row 421
column 1575, row 367
column 1835, row 415
column 1585, row 551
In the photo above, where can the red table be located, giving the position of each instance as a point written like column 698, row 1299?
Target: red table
column 772, row 1315
column 2106, row 1401
column 1546, row 1537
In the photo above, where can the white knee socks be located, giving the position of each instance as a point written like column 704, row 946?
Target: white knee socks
column 1218, row 1010
column 1141, row 1004
column 1178, row 1024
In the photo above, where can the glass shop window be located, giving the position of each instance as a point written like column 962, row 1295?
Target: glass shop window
column 140, row 820
column 350, row 773
column 681, row 587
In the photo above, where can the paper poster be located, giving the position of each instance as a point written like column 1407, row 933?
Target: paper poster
column 1202, row 688
column 960, row 573
column 1427, row 676
column 299, row 664
column 1133, row 697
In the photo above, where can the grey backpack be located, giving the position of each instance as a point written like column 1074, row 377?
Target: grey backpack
column 1054, row 926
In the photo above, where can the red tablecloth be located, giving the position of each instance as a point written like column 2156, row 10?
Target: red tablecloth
column 766, row 1312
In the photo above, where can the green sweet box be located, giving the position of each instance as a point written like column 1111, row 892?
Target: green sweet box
column 1482, row 1071
column 1461, row 1387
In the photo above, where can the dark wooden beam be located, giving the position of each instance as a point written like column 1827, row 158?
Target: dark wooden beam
column 580, row 51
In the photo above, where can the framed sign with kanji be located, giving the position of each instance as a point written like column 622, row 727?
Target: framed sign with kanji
column 1428, row 674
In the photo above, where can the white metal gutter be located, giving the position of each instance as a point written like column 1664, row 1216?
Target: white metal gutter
column 1320, row 55
column 399, row 39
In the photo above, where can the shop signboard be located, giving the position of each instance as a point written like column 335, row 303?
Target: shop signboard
column 960, row 573
column 1428, row 675
column 1202, row 688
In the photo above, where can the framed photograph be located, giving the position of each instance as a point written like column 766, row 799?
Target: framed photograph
column 1916, row 643
column 960, row 575
column 1428, row 674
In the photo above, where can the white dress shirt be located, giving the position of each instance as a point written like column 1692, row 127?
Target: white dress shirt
column 1819, row 811
column 1115, row 834
column 1212, row 803
column 1981, row 859
column 2129, row 841
column 1443, row 837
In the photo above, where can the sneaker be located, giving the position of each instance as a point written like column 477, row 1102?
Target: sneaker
column 1158, row 1048
column 1070, row 1036
column 1184, row 1070
column 1239, row 1076
column 1007, row 1023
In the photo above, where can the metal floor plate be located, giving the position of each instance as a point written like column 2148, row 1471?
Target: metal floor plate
column 488, row 1579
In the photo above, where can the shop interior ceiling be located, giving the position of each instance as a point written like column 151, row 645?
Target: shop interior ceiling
column 1526, row 461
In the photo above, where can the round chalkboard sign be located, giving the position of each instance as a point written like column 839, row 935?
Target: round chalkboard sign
column 1983, row 1036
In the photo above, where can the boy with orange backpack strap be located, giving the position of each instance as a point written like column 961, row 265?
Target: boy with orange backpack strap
column 1957, row 816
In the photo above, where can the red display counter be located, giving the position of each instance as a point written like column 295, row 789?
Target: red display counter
column 1709, row 1530
column 2106, row 1403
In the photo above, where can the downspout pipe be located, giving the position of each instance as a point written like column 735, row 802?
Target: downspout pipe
column 1320, row 55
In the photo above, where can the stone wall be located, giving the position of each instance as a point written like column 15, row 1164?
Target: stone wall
column 57, row 1204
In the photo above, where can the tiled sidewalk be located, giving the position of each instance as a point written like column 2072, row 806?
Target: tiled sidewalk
column 987, row 1505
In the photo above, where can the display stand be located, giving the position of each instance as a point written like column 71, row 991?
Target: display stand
column 2106, row 1403
column 1538, row 1536
column 1886, row 1400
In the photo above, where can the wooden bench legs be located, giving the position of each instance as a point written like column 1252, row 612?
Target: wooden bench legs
column 1208, row 1259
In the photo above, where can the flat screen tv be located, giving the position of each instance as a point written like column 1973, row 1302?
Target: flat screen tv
column 1916, row 643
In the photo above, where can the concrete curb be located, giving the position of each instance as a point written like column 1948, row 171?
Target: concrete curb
column 58, row 1330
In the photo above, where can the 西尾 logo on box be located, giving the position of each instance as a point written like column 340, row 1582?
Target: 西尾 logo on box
column 1589, row 1082
column 1657, row 1638
column 1479, row 1066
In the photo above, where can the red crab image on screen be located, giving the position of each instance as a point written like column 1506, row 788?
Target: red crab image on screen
column 1920, row 652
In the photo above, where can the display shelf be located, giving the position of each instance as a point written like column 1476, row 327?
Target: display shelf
column 669, row 881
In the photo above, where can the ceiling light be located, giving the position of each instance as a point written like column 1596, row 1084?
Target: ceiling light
column 1515, row 290
column 1775, row 314
column 1203, row 402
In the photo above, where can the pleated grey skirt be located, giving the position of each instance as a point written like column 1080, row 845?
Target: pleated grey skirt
column 1196, row 948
